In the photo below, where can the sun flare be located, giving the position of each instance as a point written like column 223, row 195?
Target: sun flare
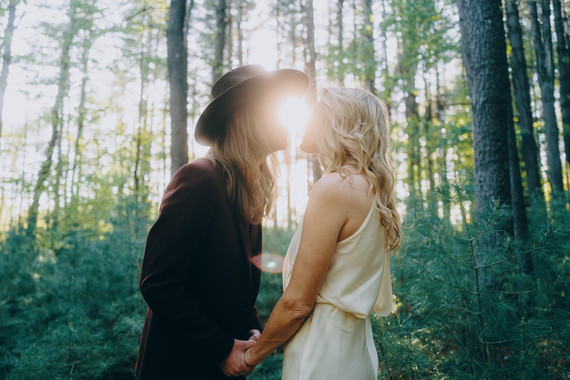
column 294, row 113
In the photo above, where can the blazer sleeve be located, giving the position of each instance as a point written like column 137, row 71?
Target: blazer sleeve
column 172, row 244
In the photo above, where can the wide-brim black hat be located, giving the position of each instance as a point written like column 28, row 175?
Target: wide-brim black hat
column 240, row 86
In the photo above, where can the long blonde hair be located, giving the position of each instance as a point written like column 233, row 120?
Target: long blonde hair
column 244, row 154
column 354, row 130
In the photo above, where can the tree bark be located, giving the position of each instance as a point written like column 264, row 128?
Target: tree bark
column 484, row 56
column 368, row 53
column 563, row 50
column 520, row 225
column 177, row 61
column 62, row 87
column 221, row 23
column 522, row 97
column 76, row 168
column 239, row 31
column 542, row 38
column 7, row 56
column 440, row 106
column 340, row 22
column 311, row 73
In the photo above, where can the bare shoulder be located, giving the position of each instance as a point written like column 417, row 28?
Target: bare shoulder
column 337, row 187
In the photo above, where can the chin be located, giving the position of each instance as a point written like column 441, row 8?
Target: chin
column 307, row 148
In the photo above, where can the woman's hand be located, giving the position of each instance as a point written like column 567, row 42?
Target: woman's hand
column 254, row 335
column 248, row 361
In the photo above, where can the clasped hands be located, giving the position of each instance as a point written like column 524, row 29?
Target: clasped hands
column 234, row 364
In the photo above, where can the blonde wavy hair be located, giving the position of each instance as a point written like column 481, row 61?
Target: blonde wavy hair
column 353, row 129
column 245, row 156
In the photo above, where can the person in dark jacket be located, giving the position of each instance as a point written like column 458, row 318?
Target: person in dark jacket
column 197, row 277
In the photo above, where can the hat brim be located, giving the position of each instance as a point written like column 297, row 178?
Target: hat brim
column 213, row 121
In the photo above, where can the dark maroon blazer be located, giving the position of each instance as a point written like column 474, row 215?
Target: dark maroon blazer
column 197, row 278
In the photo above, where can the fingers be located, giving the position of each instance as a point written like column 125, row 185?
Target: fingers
column 234, row 364
column 254, row 335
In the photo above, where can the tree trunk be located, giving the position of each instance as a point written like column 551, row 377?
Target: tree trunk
column 7, row 56
column 340, row 22
column 522, row 97
column 542, row 38
column 430, row 175
column 239, row 32
column 62, row 87
column 443, row 149
column 311, row 73
column 76, row 169
column 412, row 129
column 563, row 50
column 218, row 65
column 520, row 225
column 177, row 75
column 485, row 60
column 368, row 56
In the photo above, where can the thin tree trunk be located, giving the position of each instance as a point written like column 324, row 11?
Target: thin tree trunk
column 520, row 224
column 368, row 56
column 239, row 32
column 218, row 65
column 76, row 168
column 143, row 105
column 340, row 22
column 187, row 15
column 177, row 60
column 413, row 131
column 542, row 38
column 522, row 97
column 563, row 50
column 229, row 45
column 431, row 199
column 311, row 73
column 387, row 92
column 7, row 56
column 443, row 149
column 62, row 87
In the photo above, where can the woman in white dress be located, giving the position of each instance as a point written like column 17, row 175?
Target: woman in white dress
column 337, row 270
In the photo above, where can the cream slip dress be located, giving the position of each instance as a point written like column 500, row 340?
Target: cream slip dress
column 335, row 341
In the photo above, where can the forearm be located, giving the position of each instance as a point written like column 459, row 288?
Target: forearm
column 284, row 321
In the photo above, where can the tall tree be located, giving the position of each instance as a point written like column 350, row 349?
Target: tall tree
column 522, row 97
column 56, row 114
column 542, row 39
column 311, row 58
column 7, row 55
column 177, row 75
column 563, row 51
column 368, row 47
column 520, row 224
column 220, row 44
column 485, row 60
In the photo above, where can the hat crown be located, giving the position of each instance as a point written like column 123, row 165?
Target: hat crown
column 234, row 77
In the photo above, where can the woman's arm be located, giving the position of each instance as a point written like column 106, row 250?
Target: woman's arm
column 327, row 212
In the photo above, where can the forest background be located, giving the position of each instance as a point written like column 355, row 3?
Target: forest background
column 98, row 97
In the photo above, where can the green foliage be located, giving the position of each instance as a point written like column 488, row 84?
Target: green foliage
column 467, row 309
column 72, row 307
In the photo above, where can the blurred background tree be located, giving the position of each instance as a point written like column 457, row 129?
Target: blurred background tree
column 98, row 97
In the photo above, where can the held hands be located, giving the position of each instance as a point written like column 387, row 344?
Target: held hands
column 234, row 364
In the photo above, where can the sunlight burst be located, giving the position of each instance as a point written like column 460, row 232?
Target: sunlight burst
column 294, row 113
